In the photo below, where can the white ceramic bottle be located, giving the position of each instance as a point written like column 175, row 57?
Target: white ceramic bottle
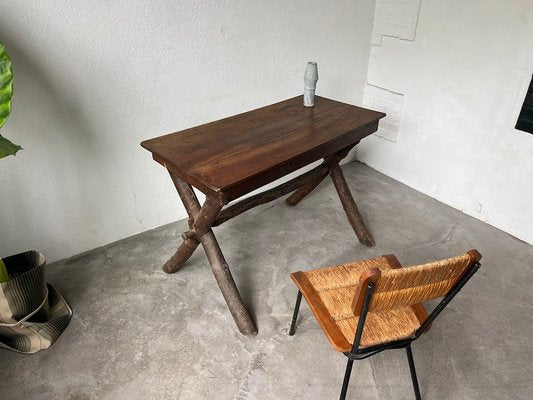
column 310, row 78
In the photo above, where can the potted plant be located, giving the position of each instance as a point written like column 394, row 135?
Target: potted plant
column 33, row 314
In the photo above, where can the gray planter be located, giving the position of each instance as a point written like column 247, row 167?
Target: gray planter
column 32, row 313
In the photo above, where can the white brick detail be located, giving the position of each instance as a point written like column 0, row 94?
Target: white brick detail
column 395, row 18
column 389, row 102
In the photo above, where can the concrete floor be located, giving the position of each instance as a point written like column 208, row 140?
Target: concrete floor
column 138, row 333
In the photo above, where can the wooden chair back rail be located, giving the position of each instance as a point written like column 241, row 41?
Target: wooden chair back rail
column 411, row 285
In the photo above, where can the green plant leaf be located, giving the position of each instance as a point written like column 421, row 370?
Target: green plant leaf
column 4, row 276
column 6, row 84
column 7, row 148
column 6, row 94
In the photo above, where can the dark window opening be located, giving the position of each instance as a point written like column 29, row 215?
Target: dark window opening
column 525, row 119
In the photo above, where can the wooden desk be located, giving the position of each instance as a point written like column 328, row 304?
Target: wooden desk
column 229, row 158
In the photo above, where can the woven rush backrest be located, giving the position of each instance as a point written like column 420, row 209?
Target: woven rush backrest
column 416, row 284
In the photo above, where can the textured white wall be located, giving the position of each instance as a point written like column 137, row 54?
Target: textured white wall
column 395, row 18
column 463, row 79
column 93, row 79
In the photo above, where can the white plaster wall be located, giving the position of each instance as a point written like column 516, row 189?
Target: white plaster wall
column 463, row 78
column 93, row 79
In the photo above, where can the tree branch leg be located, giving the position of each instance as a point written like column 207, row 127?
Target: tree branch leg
column 202, row 222
column 181, row 255
column 269, row 195
column 311, row 185
column 304, row 190
column 350, row 207
column 227, row 285
column 190, row 244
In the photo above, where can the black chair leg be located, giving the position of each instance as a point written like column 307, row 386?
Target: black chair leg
column 346, row 381
column 413, row 372
column 295, row 315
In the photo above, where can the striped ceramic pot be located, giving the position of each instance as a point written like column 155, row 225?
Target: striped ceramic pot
column 32, row 313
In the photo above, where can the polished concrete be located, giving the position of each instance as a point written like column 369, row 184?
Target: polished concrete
column 138, row 333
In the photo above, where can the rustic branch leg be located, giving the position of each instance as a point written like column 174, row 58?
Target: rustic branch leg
column 201, row 229
column 309, row 186
column 179, row 258
column 303, row 191
column 227, row 286
column 188, row 245
column 350, row 207
column 201, row 223
column 269, row 195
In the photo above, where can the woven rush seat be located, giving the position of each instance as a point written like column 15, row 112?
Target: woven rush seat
column 329, row 293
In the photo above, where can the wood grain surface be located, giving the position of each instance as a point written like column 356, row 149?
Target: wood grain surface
column 236, row 155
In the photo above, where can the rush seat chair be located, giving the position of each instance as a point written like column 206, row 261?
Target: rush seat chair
column 373, row 305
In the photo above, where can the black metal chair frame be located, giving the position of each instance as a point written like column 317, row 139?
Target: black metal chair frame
column 358, row 353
